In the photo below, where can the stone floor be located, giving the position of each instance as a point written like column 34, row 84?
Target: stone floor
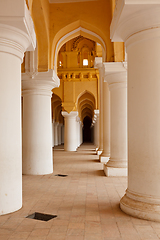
column 86, row 203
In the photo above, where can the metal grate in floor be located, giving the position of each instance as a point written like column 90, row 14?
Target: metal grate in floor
column 41, row 216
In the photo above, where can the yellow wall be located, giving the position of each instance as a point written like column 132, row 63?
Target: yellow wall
column 76, row 79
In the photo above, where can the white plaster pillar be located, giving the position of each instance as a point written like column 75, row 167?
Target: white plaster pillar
column 56, row 133
column 37, row 123
column 96, row 112
column 16, row 36
column 70, row 135
column 116, row 76
column 141, row 33
column 78, row 131
column 81, row 133
column 94, row 128
column 98, row 64
column 60, row 134
column 53, row 133
column 104, row 157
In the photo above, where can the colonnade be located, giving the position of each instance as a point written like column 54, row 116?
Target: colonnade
column 40, row 134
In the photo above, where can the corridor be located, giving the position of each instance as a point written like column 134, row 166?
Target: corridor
column 86, row 203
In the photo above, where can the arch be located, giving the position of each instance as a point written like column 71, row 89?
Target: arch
column 86, row 104
column 81, row 97
column 86, row 112
column 87, row 131
column 71, row 31
column 56, row 106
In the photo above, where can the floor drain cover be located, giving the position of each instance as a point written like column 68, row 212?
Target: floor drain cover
column 61, row 175
column 41, row 216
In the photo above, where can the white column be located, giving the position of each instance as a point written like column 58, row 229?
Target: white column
column 56, row 133
column 141, row 33
column 70, row 135
column 104, row 157
column 96, row 112
column 78, row 131
column 60, row 134
column 15, row 38
column 116, row 76
column 98, row 64
column 53, row 133
column 37, row 123
column 81, row 133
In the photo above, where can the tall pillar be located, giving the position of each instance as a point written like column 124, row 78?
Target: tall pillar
column 116, row 76
column 98, row 64
column 96, row 113
column 78, row 131
column 81, row 132
column 70, row 134
column 37, row 123
column 104, row 157
column 60, row 134
column 16, row 36
column 141, row 33
column 56, row 133
column 53, row 133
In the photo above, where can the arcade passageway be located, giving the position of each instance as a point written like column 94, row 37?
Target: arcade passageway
column 86, row 203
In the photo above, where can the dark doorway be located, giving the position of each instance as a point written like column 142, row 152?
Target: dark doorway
column 87, row 132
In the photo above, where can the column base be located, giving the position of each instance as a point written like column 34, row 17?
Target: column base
column 71, row 150
column 103, row 159
column 115, row 172
column 99, row 152
column 141, row 209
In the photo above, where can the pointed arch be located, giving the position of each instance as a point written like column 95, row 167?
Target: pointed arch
column 71, row 31
column 86, row 104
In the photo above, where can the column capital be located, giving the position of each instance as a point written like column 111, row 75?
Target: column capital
column 17, row 33
column 98, row 62
column 78, row 119
column 115, row 73
column 134, row 16
column 72, row 114
column 42, row 83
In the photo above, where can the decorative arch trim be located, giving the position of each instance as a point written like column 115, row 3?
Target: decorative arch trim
column 72, row 34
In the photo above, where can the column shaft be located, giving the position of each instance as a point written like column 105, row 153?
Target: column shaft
column 143, row 127
column 56, row 133
column 106, row 124
column 70, row 135
column 53, row 133
column 14, row 41
column 117, row 80
column 60, row 134
column 37, row 123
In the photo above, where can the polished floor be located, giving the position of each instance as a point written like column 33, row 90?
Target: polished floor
column 86, row 204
